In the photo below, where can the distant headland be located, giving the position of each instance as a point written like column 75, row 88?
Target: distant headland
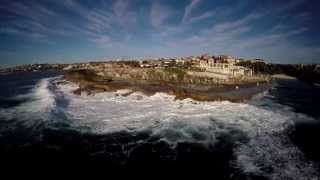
column 202, row 78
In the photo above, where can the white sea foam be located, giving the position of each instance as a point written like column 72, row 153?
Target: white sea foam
column 268, row 145
column 37, row 107
column 178, row 120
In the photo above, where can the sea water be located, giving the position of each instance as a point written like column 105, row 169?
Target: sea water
column 41, row 119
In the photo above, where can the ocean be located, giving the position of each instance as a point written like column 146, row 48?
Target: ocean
column 272, row 136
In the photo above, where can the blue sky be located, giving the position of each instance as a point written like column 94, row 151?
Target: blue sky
column 63, row 31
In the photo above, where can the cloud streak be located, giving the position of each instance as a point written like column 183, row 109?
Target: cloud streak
column 189, row 8
column 159, row 13
column 203, row 16
column 128, row 27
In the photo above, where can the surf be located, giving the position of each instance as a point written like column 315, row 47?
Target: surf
column 256, row 132
column 36, row 108
column 267, row 150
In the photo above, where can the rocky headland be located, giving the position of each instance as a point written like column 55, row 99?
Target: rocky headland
column 181, row 82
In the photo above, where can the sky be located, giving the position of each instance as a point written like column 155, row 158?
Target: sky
column 65, row 31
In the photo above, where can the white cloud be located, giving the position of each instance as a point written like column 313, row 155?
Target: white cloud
column 202, row 16
column 123, row 14
column 188, row 10
column 233, row 25
column 279, row 28
column 102, row 40
column 159, row 13
column 120, row 7
column 291, row 4
column 111, row 26
column 99, row 21
column 76, row 7
column 227, row 37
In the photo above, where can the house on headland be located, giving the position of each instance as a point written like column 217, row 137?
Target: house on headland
column 225, row 65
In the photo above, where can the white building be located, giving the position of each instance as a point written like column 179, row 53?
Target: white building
column 227, row 67
column 180, row 61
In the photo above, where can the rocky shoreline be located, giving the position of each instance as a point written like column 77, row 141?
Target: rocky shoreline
column 90, row 82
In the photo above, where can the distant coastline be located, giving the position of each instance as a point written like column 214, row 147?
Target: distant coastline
column 202, row 78
column 282, row 76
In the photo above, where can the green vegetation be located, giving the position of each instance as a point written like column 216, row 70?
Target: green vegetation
column 131, row 63
column 87, row 75
column 308, row 73
column 177, row 71
column 152, row 74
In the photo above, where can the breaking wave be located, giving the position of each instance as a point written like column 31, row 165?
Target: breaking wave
column 259, row 131
column 36, row 106
column 267, row 150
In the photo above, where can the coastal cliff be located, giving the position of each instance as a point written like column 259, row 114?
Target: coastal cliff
column 179, row 82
